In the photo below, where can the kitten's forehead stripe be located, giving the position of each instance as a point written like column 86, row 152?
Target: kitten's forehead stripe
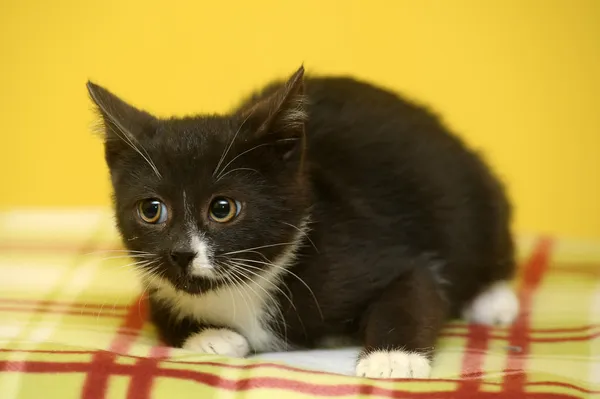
column 201, row 265
column 189, row 220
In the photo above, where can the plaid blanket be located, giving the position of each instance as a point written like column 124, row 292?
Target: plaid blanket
column 73, row 324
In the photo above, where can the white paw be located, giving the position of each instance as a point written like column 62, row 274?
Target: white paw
column 393, row 364
column 220, row 341
column 497, row 305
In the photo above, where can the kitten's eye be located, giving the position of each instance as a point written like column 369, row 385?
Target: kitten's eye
column 152, row 211
column 222, row 209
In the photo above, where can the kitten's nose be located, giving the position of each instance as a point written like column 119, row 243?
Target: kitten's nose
column 182, row 258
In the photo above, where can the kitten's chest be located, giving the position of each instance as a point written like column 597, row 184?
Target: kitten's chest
column 247, row 310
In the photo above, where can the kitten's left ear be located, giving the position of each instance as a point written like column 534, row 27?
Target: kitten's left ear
column 281, row 115
column 119, row 117
column 123, row 124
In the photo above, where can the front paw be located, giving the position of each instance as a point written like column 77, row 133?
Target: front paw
column 218, row 341
column 393, row 364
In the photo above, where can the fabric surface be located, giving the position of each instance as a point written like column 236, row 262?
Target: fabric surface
column 73, row 324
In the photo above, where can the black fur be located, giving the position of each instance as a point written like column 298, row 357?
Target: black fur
column 407, row 224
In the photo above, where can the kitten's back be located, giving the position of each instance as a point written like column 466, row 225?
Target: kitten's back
column 388, row 170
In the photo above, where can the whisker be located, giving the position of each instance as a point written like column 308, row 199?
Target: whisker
column 249, row 252
column 262, row 246
column 137, row 265
column 229, row 281
column 154, row 275
column 252, row 149
column 235, row 170
column 246, row 294
column 125, row 257
column 123, row 251
column 289, row 272
column 241, row 271
column 125, row 137
column 239, row 155
column 229, row 146
column 304, row 233
column 129, row 139
column 244, row 266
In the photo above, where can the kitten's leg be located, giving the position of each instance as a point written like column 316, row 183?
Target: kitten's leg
column 189, row 334
column 401, row 328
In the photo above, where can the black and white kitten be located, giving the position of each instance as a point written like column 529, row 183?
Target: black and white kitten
column 320, row 208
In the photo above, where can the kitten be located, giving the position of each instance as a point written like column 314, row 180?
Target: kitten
column 320, row 207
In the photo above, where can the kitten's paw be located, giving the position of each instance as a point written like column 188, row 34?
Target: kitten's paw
column 393, row 364
column 221, row 341
column 497, row 305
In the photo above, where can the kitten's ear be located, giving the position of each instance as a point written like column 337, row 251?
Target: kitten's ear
column 282, row 114
column 122, row 124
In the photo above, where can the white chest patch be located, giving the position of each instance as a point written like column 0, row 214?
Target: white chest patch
column 248, row 308
column 245, row 309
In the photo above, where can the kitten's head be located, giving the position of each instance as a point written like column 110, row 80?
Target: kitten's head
column 209, row 200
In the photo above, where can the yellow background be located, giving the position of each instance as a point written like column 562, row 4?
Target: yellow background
column 519, row 79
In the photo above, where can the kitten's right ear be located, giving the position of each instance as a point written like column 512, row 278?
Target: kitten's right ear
column 122, row 124
column 282, row 113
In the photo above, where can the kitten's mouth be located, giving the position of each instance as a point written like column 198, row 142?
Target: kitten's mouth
column 188, row 287
column 194, row 285
column 191, row 289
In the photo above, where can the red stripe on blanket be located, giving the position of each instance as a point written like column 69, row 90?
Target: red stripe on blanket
column 449, row 330
column 64, row 311
column 68, row 307
column 479, row 336
column 47, row 302
column 477, row 333
column 290, row 385
column 102, row 364
column 140, row 385
column 582, row 328
column 574, row 338
column 69, row 247
column 589, row 270
column 327, row 390
column 514, row 383
column 38, row 246
column 473, row 358
column 565, row 329
column 163, row 353
column 475, row 351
